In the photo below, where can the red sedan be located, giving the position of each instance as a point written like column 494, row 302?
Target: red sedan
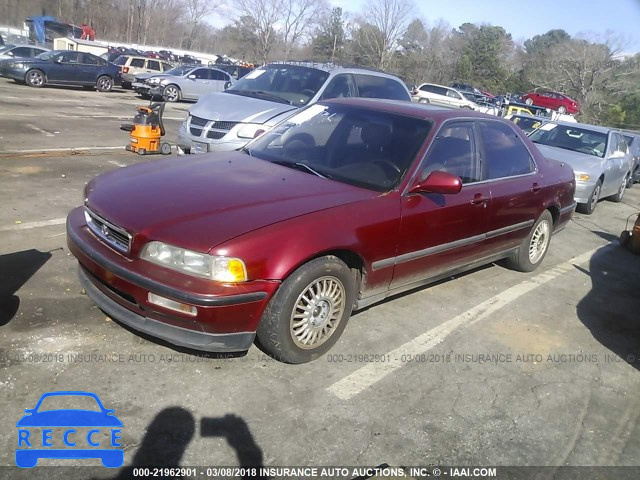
column 553, row 100
column 342, row 205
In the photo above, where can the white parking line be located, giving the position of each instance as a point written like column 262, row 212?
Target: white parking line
column 30, row 225
column 117, row 164
column 371, row 373
column 80, row 116
column 65, row 149
column 37, row 129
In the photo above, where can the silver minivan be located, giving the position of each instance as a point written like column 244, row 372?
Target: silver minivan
column 229, row 120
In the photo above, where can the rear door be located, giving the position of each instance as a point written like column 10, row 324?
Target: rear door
column 218, row 79
column 90, row 66
column 194, row 87
column 441, row 232
column 515, row 184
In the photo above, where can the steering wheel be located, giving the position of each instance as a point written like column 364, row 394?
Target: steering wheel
column 388, row 166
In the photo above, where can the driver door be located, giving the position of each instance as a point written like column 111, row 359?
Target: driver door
column 442, row 232
column 65, row 68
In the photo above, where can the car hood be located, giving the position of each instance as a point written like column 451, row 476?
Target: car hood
column 230, row 107
column 69, row 418
column 203, row 201
column 580, row 162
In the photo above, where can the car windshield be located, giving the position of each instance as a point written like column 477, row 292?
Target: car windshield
column 46, row 55
column 6, row 48
column 64, row 402
column 179, row 70
column 527, row 124
column 361, row 147
column 291, row 84
column 572, row 138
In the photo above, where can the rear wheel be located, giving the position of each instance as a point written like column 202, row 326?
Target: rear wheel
column 34, row 78
column 590, row 206
column 104, row 83
column 529, row 101
column 562, row 109
column 309, row 311
column 621, row 189
column 171, row 93
column 533, row 249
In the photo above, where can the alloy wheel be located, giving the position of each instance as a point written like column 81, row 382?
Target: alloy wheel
column 539, row 242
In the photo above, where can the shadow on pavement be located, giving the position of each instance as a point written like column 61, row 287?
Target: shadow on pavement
column 15, row 270
column 611, row 309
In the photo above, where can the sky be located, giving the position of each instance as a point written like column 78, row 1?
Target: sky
column 524, row 19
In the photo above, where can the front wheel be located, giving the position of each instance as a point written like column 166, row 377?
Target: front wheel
column 533, row 249
column 104, row 84
column 34, row 78
column 562, row 109
column 590, row 206
column 171, row 93
column 621, row 189
column 309, row 311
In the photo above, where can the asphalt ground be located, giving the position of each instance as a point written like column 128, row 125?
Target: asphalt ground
column 490, row 368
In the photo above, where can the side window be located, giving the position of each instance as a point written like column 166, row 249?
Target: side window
column 153, row 65
column 622, row 144
column 426, row 88
column 218, row 75
column 201, row 73
column 452, row 94
column 454, row 151
column 340, row 86
column 69, row 57
column 372, row 86
column 440, row 90
column 21, row 52
column 137, row 63
column 87, row 59
column 505, row 155
column 166, row 66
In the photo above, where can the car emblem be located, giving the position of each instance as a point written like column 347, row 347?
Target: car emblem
column 105, row 230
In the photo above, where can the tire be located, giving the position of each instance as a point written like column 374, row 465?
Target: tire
column 617, row 198
column 562, row 109
column 142, row 151
column 172, row 93
column 104, row 83
column 625, row 238
column 590, row 206
column 534, row 248
column 165, row 148
column 328, row 286
column 529, row 101
column 35, row 78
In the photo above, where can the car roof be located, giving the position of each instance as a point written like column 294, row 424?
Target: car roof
column 412, row 109
column 584, row 126
column 333, row 67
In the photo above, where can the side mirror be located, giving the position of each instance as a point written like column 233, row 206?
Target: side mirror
column 439, row 182
column 617, row 154
column 227, row 85
column 191, row 77
column 58, row 60
column 10, row 54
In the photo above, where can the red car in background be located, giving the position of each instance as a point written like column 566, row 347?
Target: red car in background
column 340, row 206
column 553, row 100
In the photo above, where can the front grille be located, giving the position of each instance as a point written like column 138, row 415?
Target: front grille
column 114, row 236
column 215, row 135
column 196, row 132
column 226, row 126
column 200, row 122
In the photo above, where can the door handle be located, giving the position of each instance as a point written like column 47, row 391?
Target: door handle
column 478, row 199
column 535, row 187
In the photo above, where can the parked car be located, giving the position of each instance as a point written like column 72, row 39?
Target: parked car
column 262, row 98
column 340, row 206
column 236, row 71
column 465, row 87
column 599, row 157
column 527, row 123
column 633, row 141
column 131, row 66
column 63, row 67
column 183, row 83
column 553, row 100
column 441, row 95
column 21, row 51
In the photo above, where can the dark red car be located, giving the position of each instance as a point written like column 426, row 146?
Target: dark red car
column 553, row 100
column 340, row 206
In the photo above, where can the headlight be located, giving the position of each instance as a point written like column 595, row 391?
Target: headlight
column 222, row 269
column 18, row 65
column 582, row 177
column 251, row 130
column 153, row 80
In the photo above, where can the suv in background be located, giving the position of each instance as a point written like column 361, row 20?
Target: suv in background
column 441, row 95
column 131, row 66
column 633, row 141
column 255, row 103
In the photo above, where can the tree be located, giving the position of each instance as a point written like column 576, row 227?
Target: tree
column 196, row 10
column 299, row 17
column 330, row 36
column 240, row 39
column 540, row 43
column 378, row 33
column 265, row 15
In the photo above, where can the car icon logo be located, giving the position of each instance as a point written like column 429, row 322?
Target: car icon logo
column 72, row 433
column 105, row 230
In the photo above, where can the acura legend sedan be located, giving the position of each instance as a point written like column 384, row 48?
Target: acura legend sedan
column 340, row 206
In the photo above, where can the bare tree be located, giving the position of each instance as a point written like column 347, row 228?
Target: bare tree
column 266, row 14
column 381, row 29
column 196, row 11
column 300, row 16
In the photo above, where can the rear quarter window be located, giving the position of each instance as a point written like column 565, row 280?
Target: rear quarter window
column 371, row 86
column 137, row 63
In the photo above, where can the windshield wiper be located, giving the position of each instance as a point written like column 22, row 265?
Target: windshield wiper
column 259, row 94
column 300, row 166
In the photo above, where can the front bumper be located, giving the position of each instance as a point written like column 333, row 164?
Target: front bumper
column 140, row 88
column 13, row 73
column 227, row 315
column 583, row 192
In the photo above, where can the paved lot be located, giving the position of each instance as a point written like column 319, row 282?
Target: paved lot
column 493, row 367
